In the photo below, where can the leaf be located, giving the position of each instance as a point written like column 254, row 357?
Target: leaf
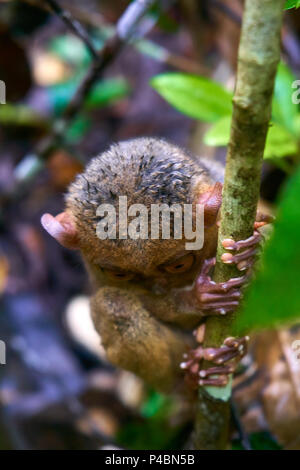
column 284, row 110
column 20, row 115
column 195, row 96
column 297, row 125
column 107, row 91
column 157, row 431
column 103, row 93
column 274, row 297
column 70, row 49
column 279, row 143
column 79, row 127
column 219, row 133
column 155, row 404
column 292, row 4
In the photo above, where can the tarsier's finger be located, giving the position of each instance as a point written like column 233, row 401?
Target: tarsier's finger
column 206, row 267
column 199, row 333
column 233, row 294
column 230, row 244
column 218, row 381
column 259, row 224
column 216, row 370
column 220, row 307
column 222, row 311
column 224, row 353
column 240, row 344
column 221, row 287
column 246, row 265
column 229, row 258
column 192, row 366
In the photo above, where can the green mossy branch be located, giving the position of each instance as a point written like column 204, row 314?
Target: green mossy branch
column 259, row 54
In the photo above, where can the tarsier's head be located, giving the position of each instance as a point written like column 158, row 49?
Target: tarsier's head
column 135, row 178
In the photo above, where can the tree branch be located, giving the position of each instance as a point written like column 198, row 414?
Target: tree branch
column 259, row 54
column 124, row 30
column 73, row 25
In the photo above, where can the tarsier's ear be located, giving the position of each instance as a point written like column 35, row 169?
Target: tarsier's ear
column 62, row 228
column 212, row 200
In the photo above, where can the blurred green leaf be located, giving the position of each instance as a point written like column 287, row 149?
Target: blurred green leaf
column 156, row 403
column 284, row 110
column 297, row 125
column 154, row 430
column 195, row 96
column 20, row 115
column 78, row 129
column 167, row 23
column 280, row 142
column 163, row 18
column 150, row 434
column 274, row 297
column 219, row 133
column 107, row 91
column 292, row 4
column 103, row 93
column 70, row 49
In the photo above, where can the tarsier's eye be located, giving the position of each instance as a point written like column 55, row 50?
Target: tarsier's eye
column 181, row 265
column 118, row 275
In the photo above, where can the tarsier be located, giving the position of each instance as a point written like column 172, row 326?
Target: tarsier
column 150, row 295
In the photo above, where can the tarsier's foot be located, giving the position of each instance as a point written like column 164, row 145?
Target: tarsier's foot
column 225, row 358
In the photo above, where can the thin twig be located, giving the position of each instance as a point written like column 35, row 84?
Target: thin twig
column 125, row 29
column 74, row 25
column 143, row 46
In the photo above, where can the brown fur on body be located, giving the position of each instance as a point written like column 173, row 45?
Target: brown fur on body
column 145, row 323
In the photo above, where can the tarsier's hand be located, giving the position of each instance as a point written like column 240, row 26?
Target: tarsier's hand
column 221, row 298
column 217, row 298
column 225, row 360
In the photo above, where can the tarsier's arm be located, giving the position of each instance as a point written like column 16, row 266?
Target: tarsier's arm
column 135, row 340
